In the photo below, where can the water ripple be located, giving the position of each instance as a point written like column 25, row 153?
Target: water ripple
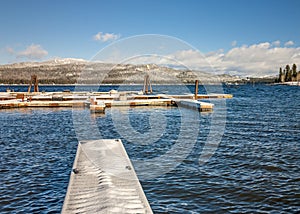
column 256, row 167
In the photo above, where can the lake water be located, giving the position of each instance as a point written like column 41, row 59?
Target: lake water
column 254, row 168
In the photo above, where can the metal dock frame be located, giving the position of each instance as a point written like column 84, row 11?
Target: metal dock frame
column 103, row 180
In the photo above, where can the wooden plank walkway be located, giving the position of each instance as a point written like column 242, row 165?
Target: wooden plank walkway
column 103, row 180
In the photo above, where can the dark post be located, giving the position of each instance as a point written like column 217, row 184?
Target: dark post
column 36, row 84
column 196, row 89
column 34, row 81
column 147, row 84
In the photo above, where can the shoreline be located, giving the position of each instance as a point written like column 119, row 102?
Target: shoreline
column 153, row 84
column 107, row 84
column 293, row 83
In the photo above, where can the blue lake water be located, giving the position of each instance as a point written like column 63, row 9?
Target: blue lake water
column 254, row 168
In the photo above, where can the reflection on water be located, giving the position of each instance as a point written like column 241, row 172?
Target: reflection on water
column 255, row 167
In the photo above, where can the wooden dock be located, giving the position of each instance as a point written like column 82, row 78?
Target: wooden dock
column 42, row 104
column 99, row 101
column 199, row 96
column 195, row 105
column 103, row 180
column 140, row 102
column 97, row 106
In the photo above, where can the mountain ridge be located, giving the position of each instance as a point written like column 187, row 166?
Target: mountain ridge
column 71, row 71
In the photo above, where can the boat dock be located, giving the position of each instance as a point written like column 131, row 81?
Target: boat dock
column 195, row 105
column 98, row 101
column 103, row 180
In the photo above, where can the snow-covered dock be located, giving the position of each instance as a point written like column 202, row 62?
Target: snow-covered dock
column 103, row 180
column 98, row 101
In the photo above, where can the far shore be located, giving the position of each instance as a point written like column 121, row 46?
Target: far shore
column 293, row 83
column 108, row 84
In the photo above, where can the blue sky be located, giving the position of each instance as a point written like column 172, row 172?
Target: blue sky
column 34, row 30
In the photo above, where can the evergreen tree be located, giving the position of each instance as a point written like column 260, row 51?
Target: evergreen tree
column 288, row 73
column 294, row 70
column 280, row 74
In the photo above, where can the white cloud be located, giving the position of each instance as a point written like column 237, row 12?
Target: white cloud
column 104, row 37
column 31, row 52
column 255, row 60
column 234, row 43
column 276, row 43
column 289, row 43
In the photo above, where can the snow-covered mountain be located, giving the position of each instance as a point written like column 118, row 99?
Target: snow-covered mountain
column 70, row 70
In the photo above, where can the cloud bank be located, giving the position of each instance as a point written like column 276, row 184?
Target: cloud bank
column 289, row 43
column 32, row 52
column 260, row 59
column 249, row 60
column 256, row 60
column 105, row 37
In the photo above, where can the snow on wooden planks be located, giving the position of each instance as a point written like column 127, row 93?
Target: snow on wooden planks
column 103, row 180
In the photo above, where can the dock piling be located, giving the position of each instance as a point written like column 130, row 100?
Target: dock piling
column 34, row 81
column 196, row 89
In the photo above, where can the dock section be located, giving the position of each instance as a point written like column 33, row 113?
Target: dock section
column 99, row 101
column 195, row 105
column 103, row 180
column 140, row 102
column 199, row 96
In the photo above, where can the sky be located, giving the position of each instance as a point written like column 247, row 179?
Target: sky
column 235, row 36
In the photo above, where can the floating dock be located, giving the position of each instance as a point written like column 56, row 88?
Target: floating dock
column 195, row 105
column 99, row 101
column 200, row 96
column 103, row 180
column 20, row 104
